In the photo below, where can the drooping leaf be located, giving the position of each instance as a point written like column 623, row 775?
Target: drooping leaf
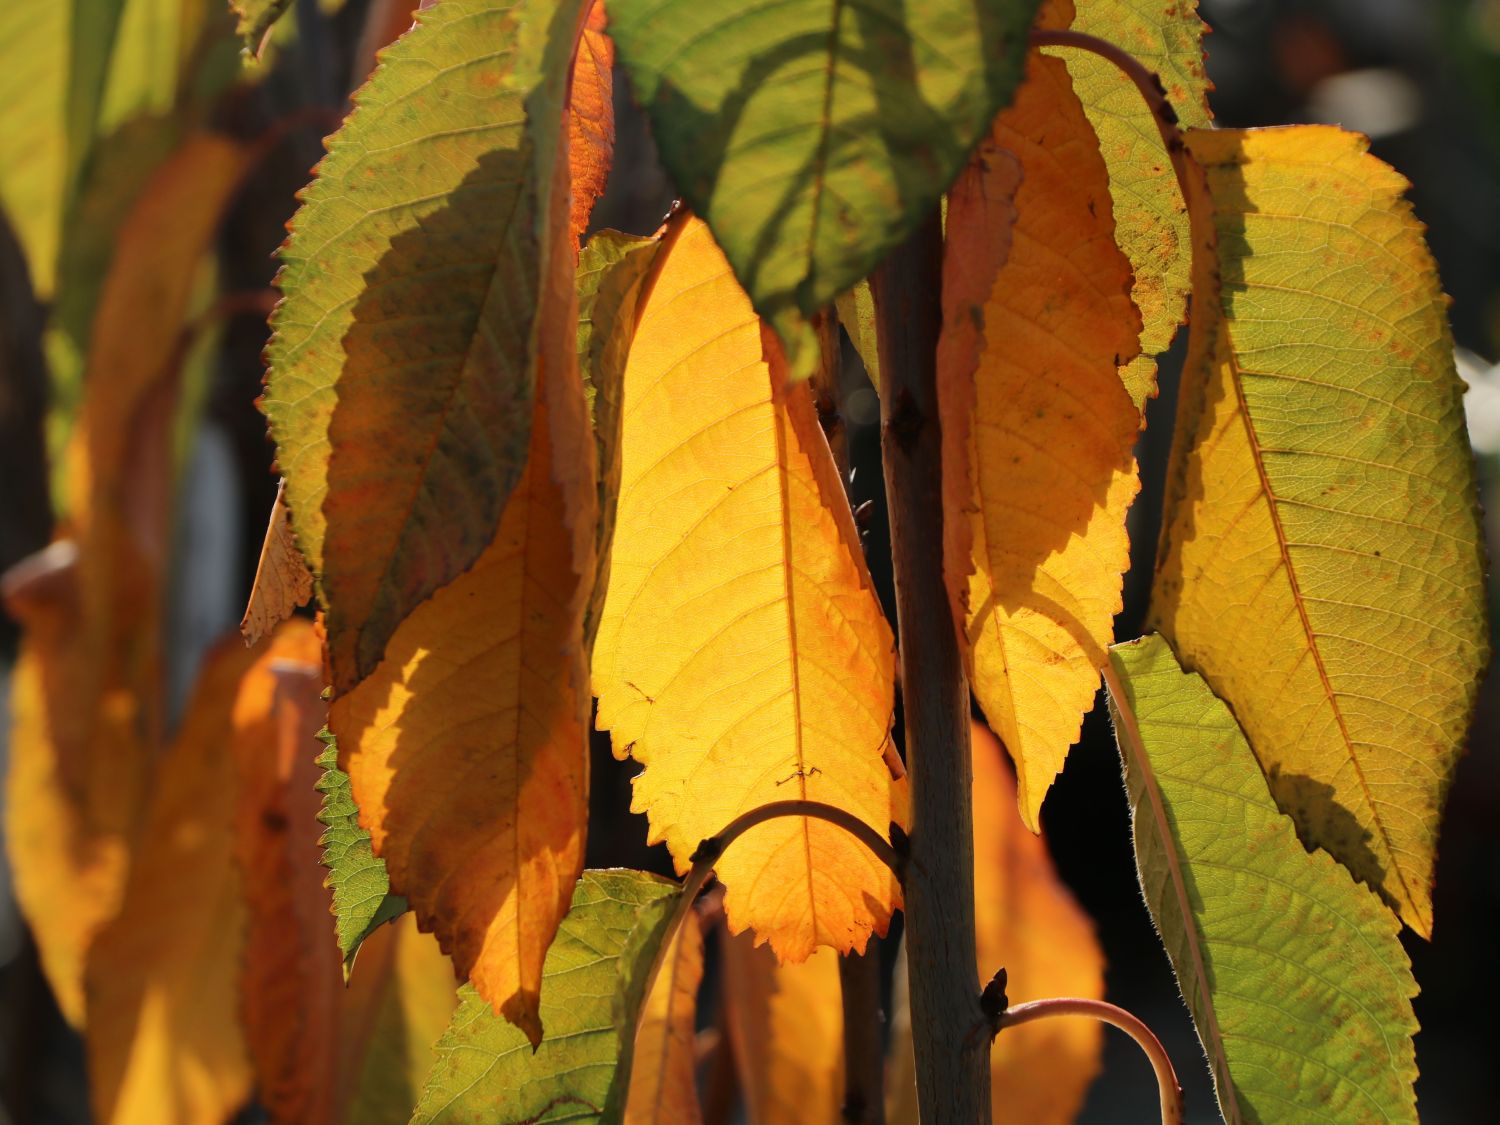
column 1322, row 559
column 786, row 1024
column 1027, row 922
column 742, row 656
column 1151, row 223
column 162, row 1025
column 282, row 582
column 1038, row 430
column 487, row 1071
column 467, row 748
column 255, row 18
column 428, row 276
column 362, row 899
column 663, row 1088
column 814, row 136
column 1294, row 973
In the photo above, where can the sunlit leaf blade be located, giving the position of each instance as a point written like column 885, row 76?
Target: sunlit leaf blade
column 33, row 131
column 1038, row 430
column 282, row 581
column 1293, row 972
column 1027, row 922
column 255, row 18
column 162, row 1022
column 786, row 1025
column 596, row 973
column 362, row 899
column 1151, row 223
column 1321, row 561
column 814, row 136
column 663, row 1086
column 742, row 656
column 591, row 117
column 857, row 315
column 421, row 291
column 467, row 748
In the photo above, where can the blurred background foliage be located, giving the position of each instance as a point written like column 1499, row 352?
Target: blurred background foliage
column 1420, row 77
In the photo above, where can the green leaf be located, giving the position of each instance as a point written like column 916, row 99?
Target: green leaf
column 362, row 899
column 592, row 988
column 813, row 136
column 612, row 272
column 1293, row 972
column 256, row 18
column 419, row 280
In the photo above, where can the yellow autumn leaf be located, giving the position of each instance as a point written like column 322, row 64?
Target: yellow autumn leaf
column 282, row 580
column 742, row 656
column 162, row 1017
column 786, row 1027
column 467, row 747
column 1038, row 428
column 1027, row 922
column 663, row 1088
column 1322, row 561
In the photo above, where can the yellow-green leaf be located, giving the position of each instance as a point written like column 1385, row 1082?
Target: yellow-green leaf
column 1321, row 560
column 1294, row 974
column 1038, row 431
column 742, row 656
column 255, row 18
column 814, row 136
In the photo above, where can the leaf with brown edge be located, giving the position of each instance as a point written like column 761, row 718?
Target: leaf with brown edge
column 742, row 656
column 663, row 1089
column 282, row 580
column 591, row 118
column 786, row 1024
column 162, row 1029
column 1027, row 922
column 1038, row 428
column 467, row 749
column 428, row 278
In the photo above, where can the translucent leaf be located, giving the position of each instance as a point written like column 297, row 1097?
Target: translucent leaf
column 1038, row 432
column 486, row 1070
column 742, row 656
column 1322, row 559
column 1294, row 974
column 813, row 137
column 663, row 1085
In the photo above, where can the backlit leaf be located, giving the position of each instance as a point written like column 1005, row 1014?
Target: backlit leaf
column 33, row 131
column 1038, row 430
column 1321, row 561
column 814, row 136
column 162, row 1023
column 467, row 748
column 663, row 1088
column 786, row 1023
column 282, row 582
column 857, row 315
column 742, row 656
column 591, row 117
column 255, row 18
column 486, row 1070
column 425, row 282
column 1151, row 223
column 1294, row 974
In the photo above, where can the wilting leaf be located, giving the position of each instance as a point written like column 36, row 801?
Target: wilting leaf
column 162, row 1025
column 1294, row 974
column 663, row 1088
column 814, row 137
column 468, row 746
column 596, row 972
column 1027, row 922
column 282, row 582
column 429, row 274
column 1038, row 430
column 742, row 656
column 255, row 19
column 786, row 1024
column 1151, row 223
column 362, row 899
column 1321, row 561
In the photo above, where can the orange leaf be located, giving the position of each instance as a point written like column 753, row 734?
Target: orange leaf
column 1044, row 465
column 663, row 1090
column 163, row 1033
column 786, row 1023
column 742, row 655
column 467, row 746
column 282, row 580
column 591, row 119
